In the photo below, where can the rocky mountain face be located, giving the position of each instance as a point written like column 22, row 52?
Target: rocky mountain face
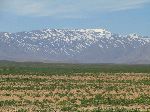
column 74, row 46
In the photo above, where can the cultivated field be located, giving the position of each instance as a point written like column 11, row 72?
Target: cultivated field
column 37, row 87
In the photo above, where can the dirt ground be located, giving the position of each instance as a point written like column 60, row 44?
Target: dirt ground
column 76, row 92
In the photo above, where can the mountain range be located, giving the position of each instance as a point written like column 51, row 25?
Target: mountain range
column 75, row 46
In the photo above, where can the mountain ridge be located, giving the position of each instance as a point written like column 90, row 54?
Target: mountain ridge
column 74, row 46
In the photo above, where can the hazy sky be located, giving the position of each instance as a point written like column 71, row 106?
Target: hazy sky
column 118, row 16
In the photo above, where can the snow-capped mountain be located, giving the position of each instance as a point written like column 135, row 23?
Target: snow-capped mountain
column 74, row 46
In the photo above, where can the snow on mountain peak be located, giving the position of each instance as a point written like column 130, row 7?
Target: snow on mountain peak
column 134, row 35
column 60, row 44
column 95, row 30
column 99, row 30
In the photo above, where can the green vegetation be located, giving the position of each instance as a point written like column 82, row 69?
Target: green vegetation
column 43, row 87
column 7, row 67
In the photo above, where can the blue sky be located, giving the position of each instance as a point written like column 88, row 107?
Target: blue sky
column 118, row 16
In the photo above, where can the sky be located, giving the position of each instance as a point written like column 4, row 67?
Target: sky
column 118, row 16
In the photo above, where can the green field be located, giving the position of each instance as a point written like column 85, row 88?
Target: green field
column 43, row 87
column 7, row 67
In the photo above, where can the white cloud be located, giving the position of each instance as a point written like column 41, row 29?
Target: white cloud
column 67, row 8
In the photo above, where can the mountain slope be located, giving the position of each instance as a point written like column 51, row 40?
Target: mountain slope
column 75, row 46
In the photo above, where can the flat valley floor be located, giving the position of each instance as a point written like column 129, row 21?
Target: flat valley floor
column 73, row 92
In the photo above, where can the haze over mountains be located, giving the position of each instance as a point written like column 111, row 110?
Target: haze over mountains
column 74, row 46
